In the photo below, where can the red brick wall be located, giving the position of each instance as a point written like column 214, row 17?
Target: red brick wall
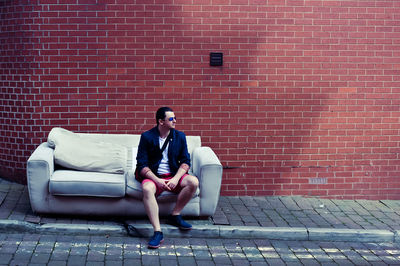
column 307, row 102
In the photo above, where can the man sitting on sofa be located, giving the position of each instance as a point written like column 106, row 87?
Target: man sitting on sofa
column 162, row 164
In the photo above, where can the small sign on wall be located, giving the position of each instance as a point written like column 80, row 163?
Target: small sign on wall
column 216, row 59
column 318, row 181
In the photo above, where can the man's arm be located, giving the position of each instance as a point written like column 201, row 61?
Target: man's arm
column 142, row 158
column 184, row 167
column 173, row 182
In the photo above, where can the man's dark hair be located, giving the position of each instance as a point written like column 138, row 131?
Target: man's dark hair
column 161, row 113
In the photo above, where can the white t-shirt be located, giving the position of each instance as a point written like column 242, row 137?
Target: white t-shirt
column 164, row 166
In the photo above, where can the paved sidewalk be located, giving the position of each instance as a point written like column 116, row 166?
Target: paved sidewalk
column 56, row 250
column 282, row 218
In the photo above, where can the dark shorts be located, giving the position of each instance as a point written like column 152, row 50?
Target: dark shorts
column 160, row 190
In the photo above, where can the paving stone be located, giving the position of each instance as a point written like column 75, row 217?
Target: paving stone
column 113, row 263
column 276, row 261
column 40, row 258
column 94, row 263
column 201, row 254
column 171, row 262
column 57, row 263
column 253, row 254
column 150, row 260
column 290, row 204
column 221, row 260
column 205, row 263
column 94, row 255
column 249, row 201
column 76, row 260
column 132, row 261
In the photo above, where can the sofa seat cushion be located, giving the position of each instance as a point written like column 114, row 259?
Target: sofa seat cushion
column 80, row 183
column 134, row 189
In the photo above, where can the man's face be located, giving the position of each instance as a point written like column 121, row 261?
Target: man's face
column 169, row 120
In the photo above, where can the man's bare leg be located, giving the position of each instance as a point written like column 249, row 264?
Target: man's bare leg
column 151, row 205
column 189, row 186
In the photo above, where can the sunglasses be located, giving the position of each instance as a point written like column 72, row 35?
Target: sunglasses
column 172, row 118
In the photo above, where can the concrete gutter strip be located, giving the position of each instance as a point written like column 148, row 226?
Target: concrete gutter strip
column 348, row 235
column 278, row 233
column 253, row 232
column 14, row 226
column 82, row 229
column 207, row 231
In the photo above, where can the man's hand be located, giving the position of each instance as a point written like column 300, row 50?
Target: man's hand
column 163, row 183
column 172, row 183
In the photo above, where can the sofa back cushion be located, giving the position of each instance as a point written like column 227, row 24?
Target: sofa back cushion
column 107, row 153
column 132, row 140
column 81, row 153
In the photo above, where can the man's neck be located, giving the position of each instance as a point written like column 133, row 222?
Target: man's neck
column 163, row 132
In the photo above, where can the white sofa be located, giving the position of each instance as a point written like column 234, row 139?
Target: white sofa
column 56, row 186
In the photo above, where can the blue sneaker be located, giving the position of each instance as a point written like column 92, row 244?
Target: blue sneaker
column 176, row 220
column 156, row 240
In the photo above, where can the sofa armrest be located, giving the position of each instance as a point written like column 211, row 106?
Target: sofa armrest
column 208, row 169
column 40, row 167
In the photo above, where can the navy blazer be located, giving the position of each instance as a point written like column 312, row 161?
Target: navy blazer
column 149, row 152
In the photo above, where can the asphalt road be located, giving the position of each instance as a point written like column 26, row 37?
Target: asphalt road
column 36, row 249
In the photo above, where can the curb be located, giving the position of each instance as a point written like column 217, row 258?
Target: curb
column 215, row 231
column 207, row 231
column 14, row 226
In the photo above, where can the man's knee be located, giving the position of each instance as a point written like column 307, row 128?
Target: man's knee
column 148, row 188
column 191, row 181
